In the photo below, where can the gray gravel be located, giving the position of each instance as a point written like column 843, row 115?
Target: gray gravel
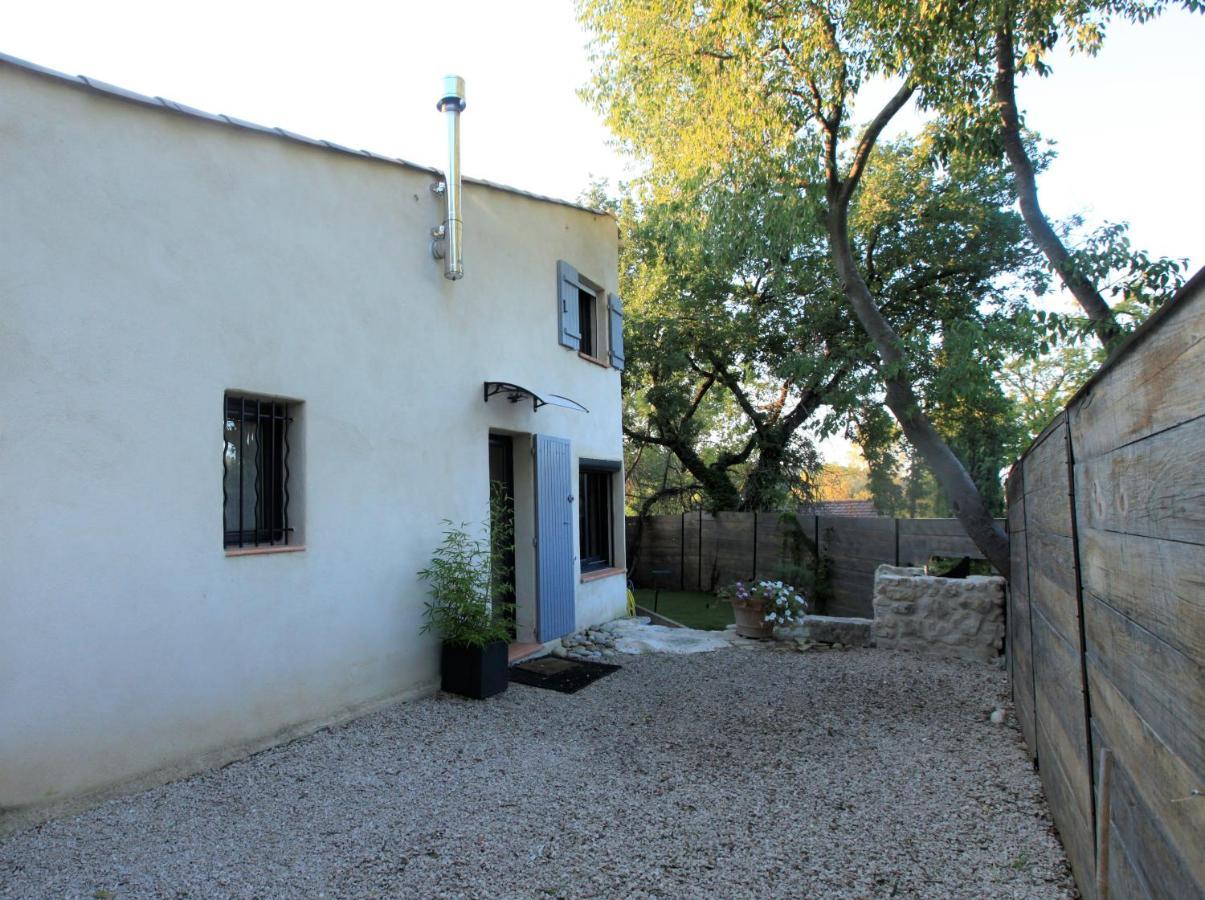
column 829, row 774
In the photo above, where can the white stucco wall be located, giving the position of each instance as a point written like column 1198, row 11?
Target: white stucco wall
column 149, row 262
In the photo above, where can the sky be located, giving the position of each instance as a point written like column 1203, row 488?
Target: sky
column 367, row 74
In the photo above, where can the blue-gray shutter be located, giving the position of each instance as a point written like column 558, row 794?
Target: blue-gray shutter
column 554, row 538
column 567, row 309
column 615, row 323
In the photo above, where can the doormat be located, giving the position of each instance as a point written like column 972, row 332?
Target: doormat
column 565, row 675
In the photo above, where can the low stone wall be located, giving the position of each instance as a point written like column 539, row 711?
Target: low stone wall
column 846, row 631
column 954, row 617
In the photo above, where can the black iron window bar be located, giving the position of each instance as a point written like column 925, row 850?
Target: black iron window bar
column 268, row 422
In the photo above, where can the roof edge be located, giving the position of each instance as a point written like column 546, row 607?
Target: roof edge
column 162, row 103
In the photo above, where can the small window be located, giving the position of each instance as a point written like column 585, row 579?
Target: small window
column 255, row 482
column 594, row 518
column 589, row 320
column 587, row 306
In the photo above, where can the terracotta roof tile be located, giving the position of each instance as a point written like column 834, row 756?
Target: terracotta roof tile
column 840, row 508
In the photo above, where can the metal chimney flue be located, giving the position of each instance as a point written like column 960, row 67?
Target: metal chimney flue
column 446, row 245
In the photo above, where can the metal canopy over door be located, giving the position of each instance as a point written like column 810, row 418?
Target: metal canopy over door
column 554, row 538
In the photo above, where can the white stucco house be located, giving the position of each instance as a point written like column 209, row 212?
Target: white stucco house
column 168, row 602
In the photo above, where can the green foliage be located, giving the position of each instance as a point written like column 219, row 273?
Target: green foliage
column 722, row 370
column 695, row 86
column 743, row 111
column 1041, row 385
column 879, row 438
column 803, row 565
column 737, row 280
column 1137, row 282
column 655, row 481
column 468, row 579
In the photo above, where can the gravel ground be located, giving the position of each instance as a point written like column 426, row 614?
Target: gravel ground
column 827, row 774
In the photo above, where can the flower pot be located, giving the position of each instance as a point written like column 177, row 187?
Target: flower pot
column 476, row 672
column 750, row 620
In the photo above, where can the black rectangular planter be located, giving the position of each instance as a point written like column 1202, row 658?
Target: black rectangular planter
column 476, row 672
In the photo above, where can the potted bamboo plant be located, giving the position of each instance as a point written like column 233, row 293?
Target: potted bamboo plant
column 467, row 579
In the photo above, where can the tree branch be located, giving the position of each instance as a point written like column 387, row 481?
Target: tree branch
column 646, row 438
column 811, row 400
column 742, row 399
column 698, row 398
column 870, row 136
column 1084, row 291
column 871, row 275
column 664, row 493
column 728, row 460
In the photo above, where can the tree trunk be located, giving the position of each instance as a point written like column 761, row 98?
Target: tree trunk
column 1043, row 234
column 766, row 472
column 716, row 484
column 964, row 497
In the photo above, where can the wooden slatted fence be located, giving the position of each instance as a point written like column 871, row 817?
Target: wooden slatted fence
column 1106, row 616
column 700, row 551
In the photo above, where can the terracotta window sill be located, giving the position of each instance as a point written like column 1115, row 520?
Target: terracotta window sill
column 593, row 359
column 599, row 574
column 264, row 551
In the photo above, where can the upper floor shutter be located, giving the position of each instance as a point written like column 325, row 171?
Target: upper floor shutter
column 567, row 306
column 615, row 324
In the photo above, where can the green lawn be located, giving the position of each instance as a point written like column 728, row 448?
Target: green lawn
column 690, row 608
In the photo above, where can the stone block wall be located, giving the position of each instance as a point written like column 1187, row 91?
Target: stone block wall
column 953, row 617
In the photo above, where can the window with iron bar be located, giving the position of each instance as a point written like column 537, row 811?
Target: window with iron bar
column 255, row 472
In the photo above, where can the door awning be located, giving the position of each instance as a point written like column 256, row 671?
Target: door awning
column 514, row 393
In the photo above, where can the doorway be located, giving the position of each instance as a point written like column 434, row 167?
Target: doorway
column 502, row 498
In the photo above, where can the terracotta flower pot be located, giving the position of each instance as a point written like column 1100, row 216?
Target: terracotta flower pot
column 750, row 620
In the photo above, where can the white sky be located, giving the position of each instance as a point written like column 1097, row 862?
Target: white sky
column 367, row 74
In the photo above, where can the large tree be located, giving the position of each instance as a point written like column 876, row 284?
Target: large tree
column 738, row 338
column 724, row 368
column 706, row 86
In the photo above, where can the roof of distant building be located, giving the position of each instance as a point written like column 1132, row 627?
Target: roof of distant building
column 92, row 84
column 839, row 508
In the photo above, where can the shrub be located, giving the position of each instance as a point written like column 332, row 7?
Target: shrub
column 467, row 579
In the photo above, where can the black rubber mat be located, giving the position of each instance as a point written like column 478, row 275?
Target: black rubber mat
column 565, row 675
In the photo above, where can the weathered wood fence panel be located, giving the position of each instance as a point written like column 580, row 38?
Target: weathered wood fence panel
column 1060, row 707
column 1107, row 525
column 923, row 538
column 1019, row 641
column 853, row 548
column 699, row 551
